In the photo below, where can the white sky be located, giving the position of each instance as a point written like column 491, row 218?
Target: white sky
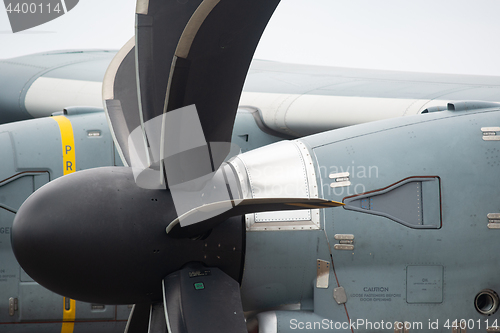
column 446, row 36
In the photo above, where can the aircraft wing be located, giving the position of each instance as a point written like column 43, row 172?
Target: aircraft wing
column 292, row 100
column 300, row 100
column 40, row 84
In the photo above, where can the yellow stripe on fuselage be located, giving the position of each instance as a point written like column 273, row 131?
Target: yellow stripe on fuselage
column 69, row 316
column 69, row 166
column 68, row 144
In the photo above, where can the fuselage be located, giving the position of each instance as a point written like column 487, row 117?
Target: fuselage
column 414, row 243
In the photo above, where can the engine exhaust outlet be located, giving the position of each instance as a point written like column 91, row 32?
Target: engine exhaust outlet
column 486, row 302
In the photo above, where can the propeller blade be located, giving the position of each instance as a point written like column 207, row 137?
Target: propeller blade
column 202, row 299
column 147, row 318
column 157, row 321
column 159, row 27
column 212, row 60
column 195, row 222
column 138, row 320
column 119, row 93
column 193, row 53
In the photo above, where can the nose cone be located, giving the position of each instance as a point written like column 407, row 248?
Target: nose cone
column 97, row 237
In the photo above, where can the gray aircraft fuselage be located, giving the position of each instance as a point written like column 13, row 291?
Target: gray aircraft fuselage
column 416, row 243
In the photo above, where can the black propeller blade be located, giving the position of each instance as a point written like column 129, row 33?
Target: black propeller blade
column 148, row 318
column 212, row 60
column 203, row 299
column 159, row 27
column 157, row 319
column 196, row 221
column 138, row 321
column 120, row 99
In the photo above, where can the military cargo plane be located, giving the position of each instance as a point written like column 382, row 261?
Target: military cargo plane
column 412, row 247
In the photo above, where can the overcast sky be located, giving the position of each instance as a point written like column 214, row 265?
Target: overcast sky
column 446, row 36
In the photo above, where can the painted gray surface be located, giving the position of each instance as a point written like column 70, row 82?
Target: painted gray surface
column 424, row 284
column 17, row 75
column 394, row 273
column 414, row 202
column 99, row 147
column 280, row 267
column 33, row 148
column 448, row 145
column 275, row 77
column 247, row 135
column 91, row 68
